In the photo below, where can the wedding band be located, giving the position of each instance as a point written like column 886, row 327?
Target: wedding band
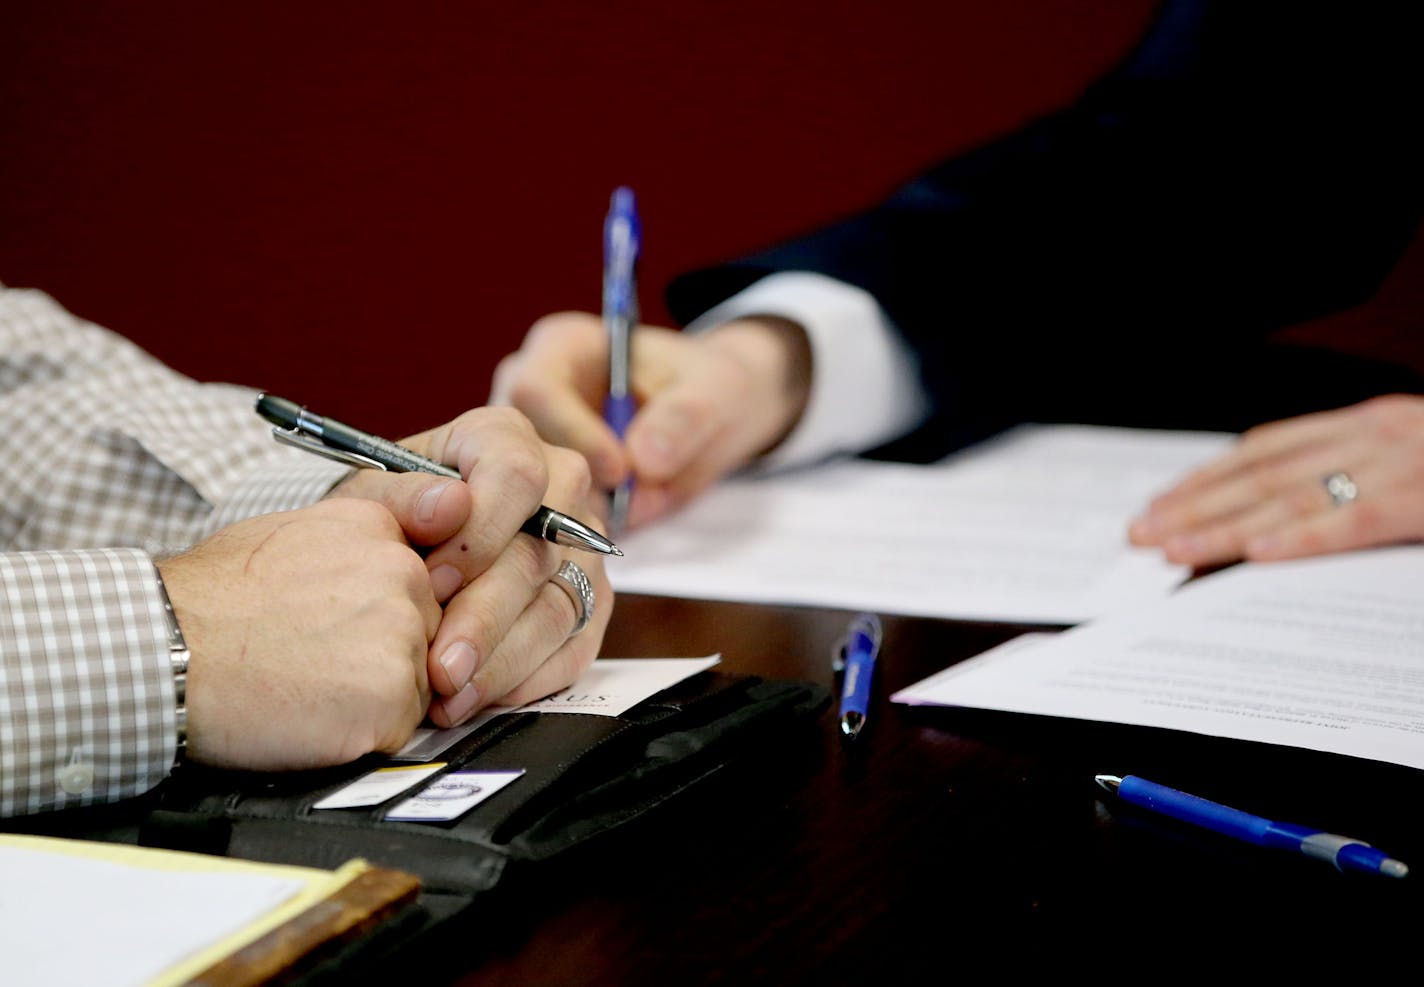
column 1341, row 488
column 572, row 580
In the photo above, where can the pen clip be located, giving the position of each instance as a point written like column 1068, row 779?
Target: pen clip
column 863, row 624
column 293, row 437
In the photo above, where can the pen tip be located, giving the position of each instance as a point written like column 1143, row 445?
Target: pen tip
column 1394, row 868
column 1109, row 782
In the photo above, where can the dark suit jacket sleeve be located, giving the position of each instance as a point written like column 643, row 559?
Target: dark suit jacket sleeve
column 1247, row 166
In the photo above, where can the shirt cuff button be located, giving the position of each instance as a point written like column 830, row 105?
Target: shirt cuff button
column 75, row 779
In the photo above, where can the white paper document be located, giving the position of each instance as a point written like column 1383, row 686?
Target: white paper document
column 1325, row 654
column 1029, row 526
column 75, row 918
column 609, row 687
column 612, row 686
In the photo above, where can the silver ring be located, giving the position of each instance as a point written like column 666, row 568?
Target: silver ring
column 1341, row 488
column 572, row 580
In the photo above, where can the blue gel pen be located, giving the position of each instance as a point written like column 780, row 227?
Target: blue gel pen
column 622, row 236
column 1345, row 853
column 858, row 651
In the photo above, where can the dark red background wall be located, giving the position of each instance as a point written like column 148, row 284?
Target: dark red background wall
column 364, row 205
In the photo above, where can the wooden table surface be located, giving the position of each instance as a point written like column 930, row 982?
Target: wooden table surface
column 944, row 840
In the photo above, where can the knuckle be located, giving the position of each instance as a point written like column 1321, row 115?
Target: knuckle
column 412, row 571
column 394, row 563
column 364, row 513
column 1311, row 540
column 690, row 406
column 482, row 623
column 1396, row 419
column 505, row 380
column 394, row 676
column 526, row 392
column 499, row 418
column 525, row 474
column 514, row 421
column 1303, row 502
column 572, row 470
column 1256, row 433
column 569, row 662
column 557, row 326
column 1366, row 522
column 403, row 568
column 1387, row 405
column 1265, row 480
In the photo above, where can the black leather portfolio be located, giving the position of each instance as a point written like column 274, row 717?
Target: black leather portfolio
column 585, row 778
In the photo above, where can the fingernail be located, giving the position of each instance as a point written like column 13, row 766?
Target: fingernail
column 1144, row 528
column 459, row 662
column 426, row 503
column 444, row 581
column 459, row 706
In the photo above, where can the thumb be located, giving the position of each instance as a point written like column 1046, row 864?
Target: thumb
column 429, row 509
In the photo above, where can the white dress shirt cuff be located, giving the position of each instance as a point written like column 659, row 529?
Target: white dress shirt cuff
column 865, row 385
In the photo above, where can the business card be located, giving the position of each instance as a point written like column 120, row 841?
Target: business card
column 451, row 796
column 379, row 785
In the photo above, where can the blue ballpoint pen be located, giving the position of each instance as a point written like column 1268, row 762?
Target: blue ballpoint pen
column 622, row 240
column 1343, row 852
column 856, row 654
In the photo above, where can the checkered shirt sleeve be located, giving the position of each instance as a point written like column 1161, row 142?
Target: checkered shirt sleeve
column 108, row 459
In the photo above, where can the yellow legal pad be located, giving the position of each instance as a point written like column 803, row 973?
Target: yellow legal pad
column 199, row 919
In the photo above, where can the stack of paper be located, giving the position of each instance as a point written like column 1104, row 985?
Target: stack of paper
column 1325, row 654
column 1029, row 527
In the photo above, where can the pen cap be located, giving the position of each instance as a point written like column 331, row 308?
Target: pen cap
column 863, row 635
column 622, row 207
column 622, row 241
column 860, row 646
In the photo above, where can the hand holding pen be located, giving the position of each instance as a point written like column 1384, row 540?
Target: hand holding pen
column 707, row 403
column 322, row 436
column 517, row 624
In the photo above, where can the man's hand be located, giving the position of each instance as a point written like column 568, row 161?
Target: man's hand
column 709, row 403
column 504, row 637
column 308, row 631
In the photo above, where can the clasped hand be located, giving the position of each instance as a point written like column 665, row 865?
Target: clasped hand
column 326, row 633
